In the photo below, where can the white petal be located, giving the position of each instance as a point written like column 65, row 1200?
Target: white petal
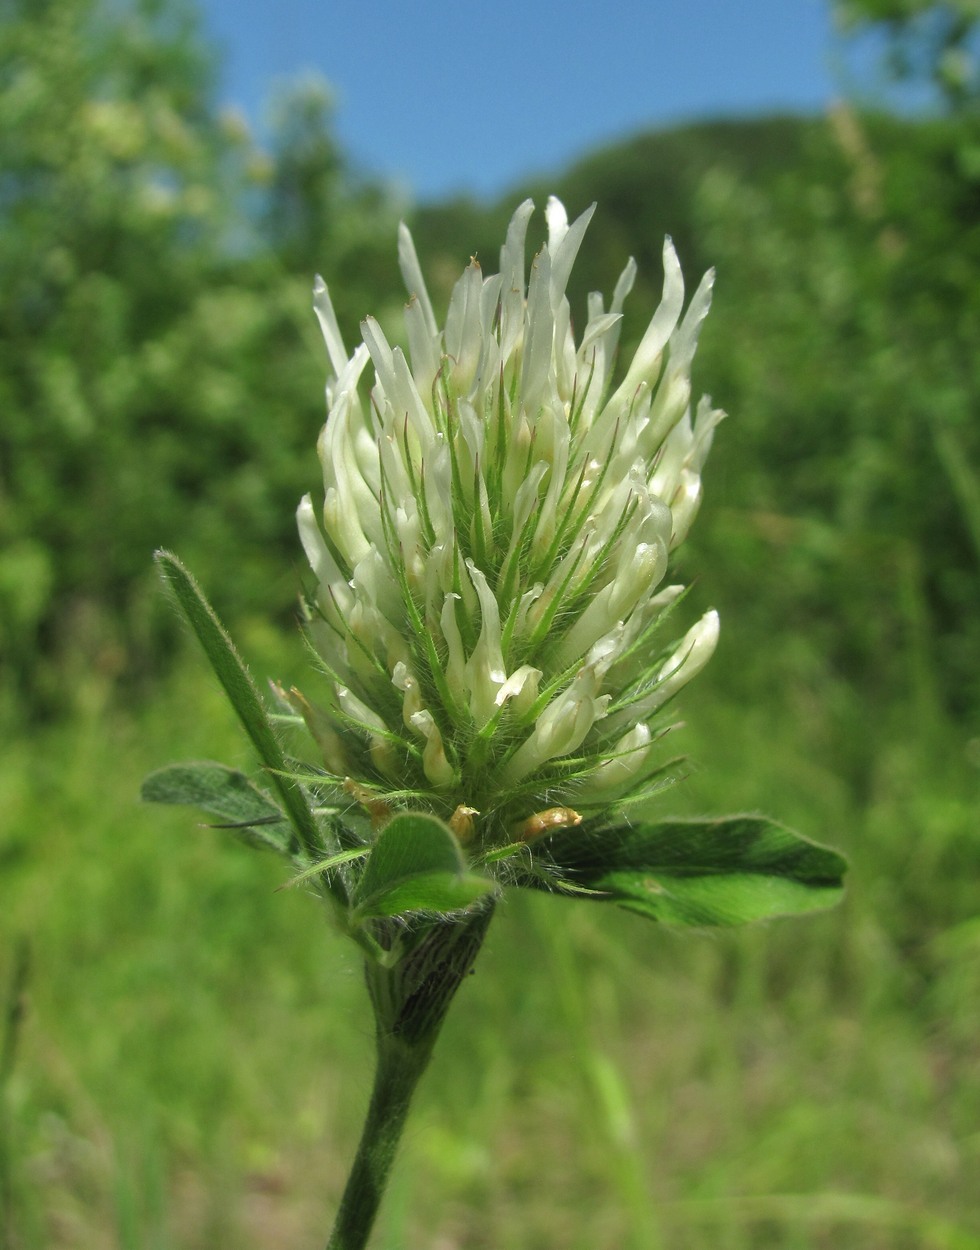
column 408, row 262
column 632, row 582
column 684, row 341
column 321, row 561
column 628, row 757
column 563, row 246
column 512, row 280
column 561, row 728
column 695, row 650
column 539, row 335
column 623, row 286
column 423, row 345
column 455, row 669
column 358, row 711
column 328, row 324
column 463, row 335
column 521, row 686
column 557, row 220
column 645, row 366
column 403, row 679
column 485, row 670
column 434, row 762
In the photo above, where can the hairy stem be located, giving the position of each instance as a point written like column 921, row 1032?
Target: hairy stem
column 398, row 1072
column 410, row 1001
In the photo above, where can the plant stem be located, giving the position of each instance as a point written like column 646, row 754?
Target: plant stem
column 410, row 1000
column 398, row 1072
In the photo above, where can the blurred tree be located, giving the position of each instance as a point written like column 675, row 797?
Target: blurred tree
column 315, row 209
column 930, row 40
column 843, row 340
column 159, row 367
column 309, row 177
column 845, row 349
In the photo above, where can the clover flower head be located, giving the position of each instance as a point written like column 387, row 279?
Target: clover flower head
column 497, row 525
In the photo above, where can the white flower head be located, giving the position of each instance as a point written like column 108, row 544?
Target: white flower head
column 497, row 524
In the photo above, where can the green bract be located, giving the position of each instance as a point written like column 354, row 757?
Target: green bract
column 495, row 535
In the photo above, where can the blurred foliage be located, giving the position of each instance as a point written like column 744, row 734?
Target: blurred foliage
column 159, row 367
column 841, row 534
column 926, row 40
column 846, row 348
column 193, row 1061
column 160, row 382
column 161, row 374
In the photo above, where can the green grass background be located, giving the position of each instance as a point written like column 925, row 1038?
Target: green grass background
column 187, row 1059
column 195, row 1053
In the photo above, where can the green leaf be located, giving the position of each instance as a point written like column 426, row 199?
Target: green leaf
column 416, row 865
column 428, row 891
column 238, row 685
column 222, row 792
column 214, row 788
column 728, row 871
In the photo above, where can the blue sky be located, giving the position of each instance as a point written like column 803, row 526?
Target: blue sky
column 444, row 97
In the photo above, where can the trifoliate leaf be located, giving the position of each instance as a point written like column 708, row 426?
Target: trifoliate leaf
column 225, row 793
column 729, row 871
